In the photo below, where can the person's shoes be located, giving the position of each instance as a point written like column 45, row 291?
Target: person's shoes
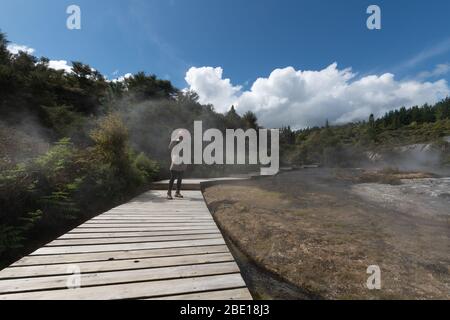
column 178, row 195
column 169, row 197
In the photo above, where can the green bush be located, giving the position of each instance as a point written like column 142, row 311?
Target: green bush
column 57, row 160
column 66, row 184
column 111, row 141
column 149, row 169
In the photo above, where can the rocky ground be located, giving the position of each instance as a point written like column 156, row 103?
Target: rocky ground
column 313, row 234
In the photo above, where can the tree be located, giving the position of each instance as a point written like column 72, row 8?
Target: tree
column 287, row 136
column 87, row 90
column 443, row 109
column 250, row 120
column 145, row 87
column 189, row 96
column 5, row 56
column 232, row 119
column 111, row 141
column 371, row 130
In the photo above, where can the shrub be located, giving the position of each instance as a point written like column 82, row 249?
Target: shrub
column 57, row 160
column 148, row 168
column 111, row 141
column 44, row 196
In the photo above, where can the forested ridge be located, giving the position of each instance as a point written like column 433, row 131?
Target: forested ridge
column 348, row 144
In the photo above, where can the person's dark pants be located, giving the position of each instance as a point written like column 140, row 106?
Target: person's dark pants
column 175, row 175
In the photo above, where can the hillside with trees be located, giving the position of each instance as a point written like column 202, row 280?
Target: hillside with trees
column 349, row 145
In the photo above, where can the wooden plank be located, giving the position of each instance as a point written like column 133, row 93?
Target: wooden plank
column 153, row 216
column 150, row 223
column 236, row 294
column 117, row 255
column 162, row 212
column 74, row 242
column 119, row 225
column 154, row 221
column 103, row 266
column 188, row 204
column 137, row 290
column 117, row 277
column 143, row 225
column 161, row 209
column 149, row 219
column 167, row 213
column 68, row 236
column 157, row 215
column 180, row 212
column 141, row 229
column 167, row 208
column 132, row 246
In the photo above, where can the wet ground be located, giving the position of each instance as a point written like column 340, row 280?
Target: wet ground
column 419, row 197
column 313, row 234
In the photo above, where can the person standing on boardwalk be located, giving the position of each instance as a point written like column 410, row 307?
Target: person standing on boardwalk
column 176, row 171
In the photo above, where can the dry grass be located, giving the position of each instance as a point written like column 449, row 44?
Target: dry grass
column 317, row 236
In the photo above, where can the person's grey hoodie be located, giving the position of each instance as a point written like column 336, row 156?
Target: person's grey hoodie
column 174, row 166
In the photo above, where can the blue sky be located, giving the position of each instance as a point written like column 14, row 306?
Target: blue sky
column 246, row 39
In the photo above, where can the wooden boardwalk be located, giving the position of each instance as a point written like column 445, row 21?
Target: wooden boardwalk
column 149, row 248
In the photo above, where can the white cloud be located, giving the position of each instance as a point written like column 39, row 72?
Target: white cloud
column 15, row 48
column 210, row 86
column 438, row 71
column 436, row 50
column 122, row 78
column 308, row 98
column 60, row 65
